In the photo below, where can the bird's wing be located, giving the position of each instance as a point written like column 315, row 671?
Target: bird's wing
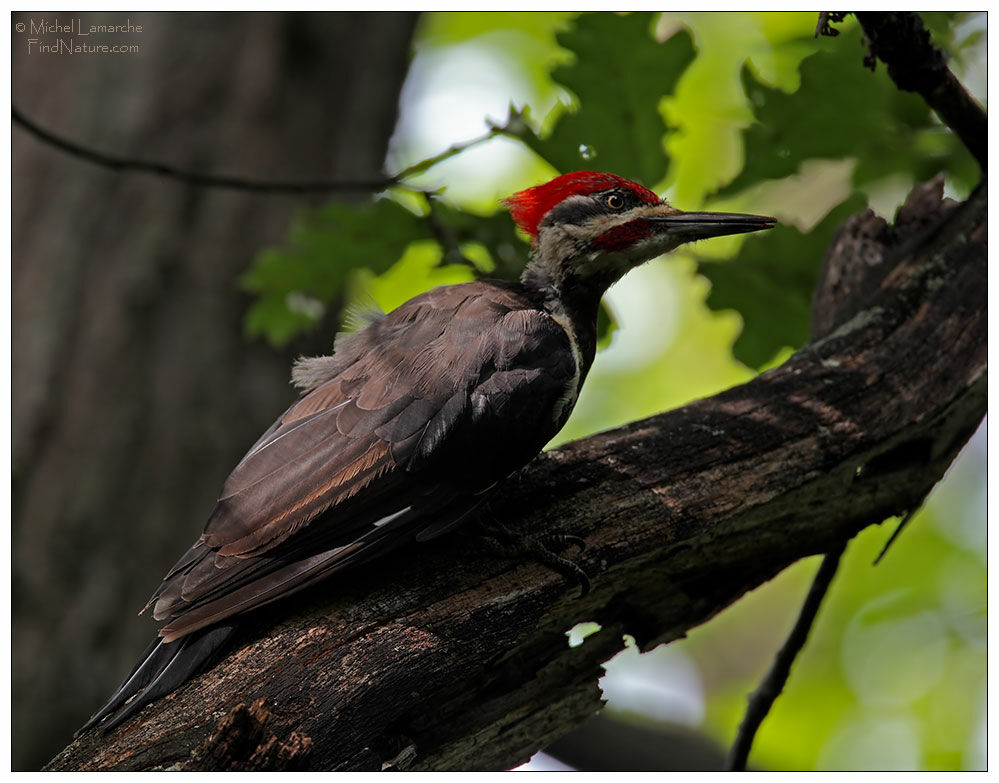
column 409, row 421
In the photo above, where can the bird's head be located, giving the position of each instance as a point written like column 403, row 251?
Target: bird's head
column 590, row 228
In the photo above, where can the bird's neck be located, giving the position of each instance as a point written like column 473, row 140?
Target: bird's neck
column 569, row 300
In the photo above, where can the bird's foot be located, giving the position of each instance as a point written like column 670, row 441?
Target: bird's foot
column 543, row 549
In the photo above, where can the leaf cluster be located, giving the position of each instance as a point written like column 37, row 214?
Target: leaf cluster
column 620, row 76
column 841, row 110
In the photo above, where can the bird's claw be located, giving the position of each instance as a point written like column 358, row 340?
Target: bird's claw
column 562, row 540
column 539, row 549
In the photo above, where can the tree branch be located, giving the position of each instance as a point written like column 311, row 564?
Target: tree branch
column 900, row 40
column 773, row 684
column 200, row 179
column 196, row 178
column 442, row 658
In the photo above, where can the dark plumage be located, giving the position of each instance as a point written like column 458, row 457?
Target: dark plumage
column 385, row 447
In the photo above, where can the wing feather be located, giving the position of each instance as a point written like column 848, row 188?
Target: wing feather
column 379, row 451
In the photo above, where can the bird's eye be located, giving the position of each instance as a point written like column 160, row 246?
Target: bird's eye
column 614, row 201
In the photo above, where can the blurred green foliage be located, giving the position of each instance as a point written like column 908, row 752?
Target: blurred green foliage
column 893, row 675
column 841, row 110
column 775, row 277
column 619, row 75
column 744, row 112
column 294, row 283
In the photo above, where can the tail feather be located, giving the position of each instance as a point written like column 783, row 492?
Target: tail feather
column 152, row 662
column 164, row 667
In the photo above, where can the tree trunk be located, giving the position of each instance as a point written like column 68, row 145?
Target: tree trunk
column 441, row 658
column 126, row 316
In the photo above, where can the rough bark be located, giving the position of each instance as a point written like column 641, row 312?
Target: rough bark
column 126, row 307
column 443, row 658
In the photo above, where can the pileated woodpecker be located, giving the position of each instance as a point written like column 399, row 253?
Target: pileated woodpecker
column 385, row 445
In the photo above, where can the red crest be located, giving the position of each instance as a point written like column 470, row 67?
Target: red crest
column 528, row 207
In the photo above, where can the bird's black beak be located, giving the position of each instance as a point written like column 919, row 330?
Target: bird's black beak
column 689, row 226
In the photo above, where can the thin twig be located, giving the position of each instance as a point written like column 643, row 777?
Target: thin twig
column 510, row 127
column 891, row 540
column 199, row 179
column 119, row 163
column 770, row 688
column 450, row 247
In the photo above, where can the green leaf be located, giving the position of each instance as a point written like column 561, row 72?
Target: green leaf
column 941, row 27
column 619, row 76
column 419, row 270
column 606, row 325
column 947, row 32
column 770, row 283
column 495, row 232
column 277, row 319
column 325, row 246
column 843, row 110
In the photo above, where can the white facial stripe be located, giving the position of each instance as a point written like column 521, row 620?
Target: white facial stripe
column 604, row 222
column 567, row 401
